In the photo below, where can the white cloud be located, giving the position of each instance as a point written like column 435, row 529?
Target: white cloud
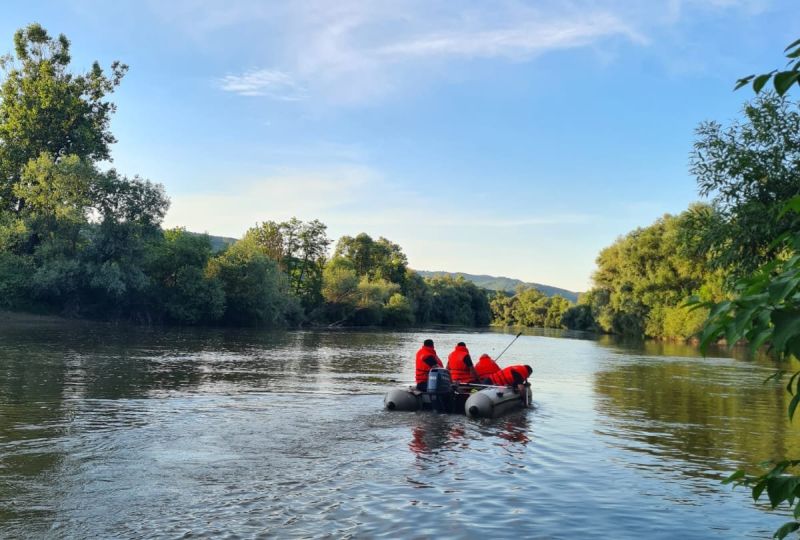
column 263, row 82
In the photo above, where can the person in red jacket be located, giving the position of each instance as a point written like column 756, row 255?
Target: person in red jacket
column 485, row 367
column 426, row 359
column 516, row 376
column 460, row 365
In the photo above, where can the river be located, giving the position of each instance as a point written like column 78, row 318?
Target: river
column 119, row 432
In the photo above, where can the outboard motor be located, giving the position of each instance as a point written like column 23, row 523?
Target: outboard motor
column 440, row 388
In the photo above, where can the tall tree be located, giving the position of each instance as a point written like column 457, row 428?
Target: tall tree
column 300, row 249
column 749, row 169
column 45, row 108
column 377, row 259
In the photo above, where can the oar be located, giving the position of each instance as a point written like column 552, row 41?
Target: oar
column 509, row 345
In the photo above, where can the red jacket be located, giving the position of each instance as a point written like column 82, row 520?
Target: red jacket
column 459, row 370
column 505, row 377
column 486, row 366
column 422, row 367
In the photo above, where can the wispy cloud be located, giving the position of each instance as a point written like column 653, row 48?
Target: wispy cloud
column 263, row 82
column 521, row 41
column 352, row 51
column 348, row 51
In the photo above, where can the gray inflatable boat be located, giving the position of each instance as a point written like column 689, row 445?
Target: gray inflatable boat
column 476, row 401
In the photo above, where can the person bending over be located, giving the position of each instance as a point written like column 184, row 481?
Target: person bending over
column 516, row 376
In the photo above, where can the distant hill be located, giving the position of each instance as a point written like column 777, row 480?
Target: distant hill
column 494, row 283
column 218, row 243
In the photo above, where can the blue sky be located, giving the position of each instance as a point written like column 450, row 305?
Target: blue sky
column 499, row 137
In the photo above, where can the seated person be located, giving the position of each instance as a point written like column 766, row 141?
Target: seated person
column 485, row 367
column 460, row 365
column 426, row 360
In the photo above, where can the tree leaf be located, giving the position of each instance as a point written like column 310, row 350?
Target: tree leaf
column 794, row 43
column 733, row 477
column 758, row 489
column 775, row 376
column 760, row 81
column 787, row 326
column 759, row 339
column 792, row 205
column 781, row 488
column 785, row 529
column 781, row 287
column 743, row 81
column 793, row 405
column 783, row 80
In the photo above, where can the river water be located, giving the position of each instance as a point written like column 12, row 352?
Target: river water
column 109, row 432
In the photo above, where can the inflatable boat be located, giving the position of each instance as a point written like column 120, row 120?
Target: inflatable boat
column 474, row 400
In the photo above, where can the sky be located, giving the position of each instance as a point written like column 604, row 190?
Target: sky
column 511, row 138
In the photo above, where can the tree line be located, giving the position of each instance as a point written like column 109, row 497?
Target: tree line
column 81, row 241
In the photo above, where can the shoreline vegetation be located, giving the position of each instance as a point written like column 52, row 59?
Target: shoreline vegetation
column 80, row 241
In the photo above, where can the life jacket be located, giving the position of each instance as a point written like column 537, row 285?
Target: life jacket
column 505, row 377
column 459, row 370
column 486, row 366
column 422, row 367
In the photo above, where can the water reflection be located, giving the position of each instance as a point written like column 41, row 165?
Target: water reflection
column 704, row 411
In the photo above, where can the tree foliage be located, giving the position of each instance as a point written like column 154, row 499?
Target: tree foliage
column 643, row 280
column 300, row 249
column 765, row 306
column 749, row 170
column 529, row 307
column 46, row 108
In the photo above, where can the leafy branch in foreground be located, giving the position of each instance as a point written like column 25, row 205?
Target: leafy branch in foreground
column 782, row 80
column 766, row 310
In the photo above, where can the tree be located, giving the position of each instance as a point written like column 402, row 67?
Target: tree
column 256, row 292
column 45, row 108
column 749, row 170
column 458, row 301
column 645, row 276
column 300, row 249
column 181, row 288
column 380, row 258
column 765, row 309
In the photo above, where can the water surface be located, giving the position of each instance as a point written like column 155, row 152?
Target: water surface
column 109, row 432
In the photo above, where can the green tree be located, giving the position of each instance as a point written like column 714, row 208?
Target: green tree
column 256, row 291
column 181, row 288
column 45, row 108
column 765, row 309
column 749, row 170
column 458, row 302
column 380, row 258
column 646, row 276
column 300, row 249
column 398, row 311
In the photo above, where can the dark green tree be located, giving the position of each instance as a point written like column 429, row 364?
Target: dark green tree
column 749, row 169
column 380, row 258
column 256, row 291
column 300, row 249
column 46, row 108
column 181, row 289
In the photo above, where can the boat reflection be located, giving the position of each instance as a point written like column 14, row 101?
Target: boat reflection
column 434, row 433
